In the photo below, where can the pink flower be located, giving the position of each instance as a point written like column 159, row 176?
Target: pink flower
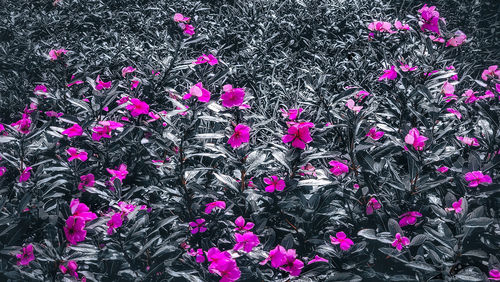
column 471, row 96
column 76, row 154
column 456, row 206
column 429, row 19
column 442, row 169
column 217, row 204
column 210, row 59
column 81, row 210
column 457, row 40
column 115, row 222
column 123, row 100
column 40, row 90
column 138, row 107
column 25, row 175
column 26, row 255
column 487, row 94
column 372, row 204
column 3, row 170
column 352, row 106
column 345, row 243
column 308, row 169
column 400, row 26
column 179, row 18
column 471, row 141
column 187, row 28
column 414, row 138
column 338, row 168
column 126, row 208
column 241, row 135
column 400, row 242
column 494, row 275
column 276, row 256
column 409, row 218
column 274, row 183
column 200, row 256
column 381, row 26
column 247, row 241
column 477, row 177
column 74, row 82
column 120, row 173
column 241, row 226
column 490, row 73
column 128, row 69
column 53, row 114
column 406, row 67
column 198, row 226
column 55, row 54
column 292, row 265
column 299, row 135
column 317, row 259
column 292, row 114
column 134, row 83
column 75, row 130
column 362, row 94
column 70, row 269
column 23, row 125
column 455, row 112
column 232, row 96
column 86, row 180
column 389, row 74
column 226, row 268
column 374, row 134
column 74, row 230
column 198, row 91
column 104, row 131
column 101, row 84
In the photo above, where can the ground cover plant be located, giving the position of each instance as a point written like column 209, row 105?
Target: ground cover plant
column 249, row 140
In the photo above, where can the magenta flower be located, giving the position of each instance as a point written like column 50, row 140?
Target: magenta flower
column 362, row 94
column 241, row 226
column 227, row 269
column 274, row 183
column 406, row 67
column 55, row 54
column 187, row 28
column 115, row 222
column 74, row 82
column 75, row 130
column 76, row 154
column 372, row 204
column 292, row 265
column 374, row 134
column 198, row 226
column 217, row 204
column 471, row 141
column 40, row 90
column 179, row 18
column 26, row 255
column 487, row 94
column 317, row 259
column 200, row 256
column 414, row 138
column 400, row 26
column 74, row 230
column 429, row 19
column 352, row 106
column 81, row 210
column 198, row 91
column 455, row 112
column 104, row 131
column 389, row 74
column 291, row 114
column 25, row 175
column 134, row 83
column 400, row 242
column 299, row 135
column 128, row 69
column 126, row 208
column 86, row 180
column 381, row 26
column 409, row 218
column 241, row 135
column 101, row 84
column 490, row 73
column 308, row 169
column 471, row 98
column 70, row 268
column 477, row 177
column 276, row 256
column 3, row 170
column 210, row 59
column 443, row 169
column 345, row 243
column 138, row 107
column 120, row 173
column 53, row 114
column 457, row 40
column 494, row 275
column 338, row 168
column 23, row 125
column 247, row 241
column 456, row 206
column 232, row 96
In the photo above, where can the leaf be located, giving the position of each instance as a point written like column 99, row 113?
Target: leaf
column 368, row 234
column 366, row 161
column 421, row 266
column 6, row 139
column 229, row 181
column 476, row 253
column 314, row 182
column 418, row 240
column 147, row 245
column 394, row 227
column 478, row 222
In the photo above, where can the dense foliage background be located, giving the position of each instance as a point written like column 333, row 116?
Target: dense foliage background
column 314, row 55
